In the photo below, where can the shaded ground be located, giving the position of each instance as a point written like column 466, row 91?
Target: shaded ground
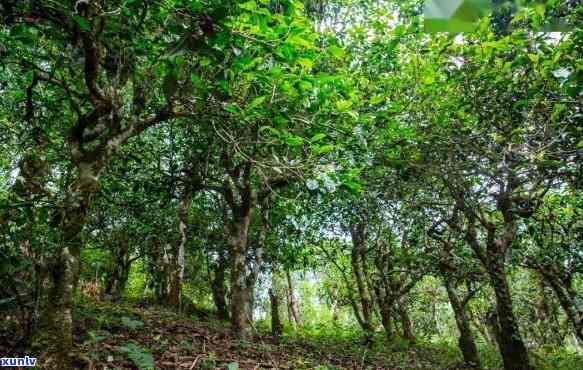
column 119, row 337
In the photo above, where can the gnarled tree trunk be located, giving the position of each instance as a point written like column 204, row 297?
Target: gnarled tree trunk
column 55, row 331
column 512, row 348
column 406, row 323
column 466, row 340
column 119, row 269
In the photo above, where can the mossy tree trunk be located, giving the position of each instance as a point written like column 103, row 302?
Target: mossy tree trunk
column 359, row 269
column 406, row 323
column 567, row 296
column 466, row 341
column 239, row 298
column 55, row 331
column 219, row 290
column 177, row 265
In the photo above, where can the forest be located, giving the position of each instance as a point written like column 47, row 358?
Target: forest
column 291, row 184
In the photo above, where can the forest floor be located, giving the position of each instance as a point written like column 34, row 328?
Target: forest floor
column 127, row 336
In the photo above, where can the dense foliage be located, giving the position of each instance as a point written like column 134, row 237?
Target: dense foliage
column 309, row 169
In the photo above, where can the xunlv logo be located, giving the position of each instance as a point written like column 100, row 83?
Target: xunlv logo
column 18, row 361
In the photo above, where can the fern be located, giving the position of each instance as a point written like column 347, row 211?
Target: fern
column 138, row 355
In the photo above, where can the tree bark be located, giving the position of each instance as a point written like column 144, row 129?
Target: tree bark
column 291, row 300
column 509, row 339
column 117, row 280
column 276, row 326
column 512, row 348
column 238, row 243
column 567, row 299
column 466, row 340
column 387, row 319
column 358, row 262
column 177, row 260
column 406, row 323
column 252, row 276
column 55, row 331
column 118, row 272
column 546, row 315
column 219, row 289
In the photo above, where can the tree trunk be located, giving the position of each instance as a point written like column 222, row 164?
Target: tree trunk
column 335, row 312
column 276, row 326
column 568, row 300
column 251, row 279
column 546, row 315
column 334, row 308
column 238, row 243
column 117, row 280
column 387, row 319
column 466, row 340
column 358, row 234
column 385, row 309
column 55, row 331
column 512, row 348
column 118, row 271
column 291, row 300
column 406, row 323
column 56, row 325
column 219, row 289
column 482, row 328
column 177, row 267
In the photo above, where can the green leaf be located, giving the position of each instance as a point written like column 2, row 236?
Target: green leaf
column 272, row 130
column 336, row 51
column 299, row 41
column 305, row 62
column 256, row 102
column 249, row 5
column 343, row 105
column 377, row 99
column 233, row 366
column 305, row 86
column 231, row 108
column 139, row 356
column 317, row 137
column 428, row 80
column 323, row 149
column 196, row 81
column 293, row 140
column 82, row 22
column 131, row 323
column 29, row 77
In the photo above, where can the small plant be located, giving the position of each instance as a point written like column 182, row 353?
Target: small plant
column 93, row 337
column 210, row 362
column 92, row 341
column 104, row 321
column 131, row 323
column 233, row 366
column 138, row 355
column 186, row 344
